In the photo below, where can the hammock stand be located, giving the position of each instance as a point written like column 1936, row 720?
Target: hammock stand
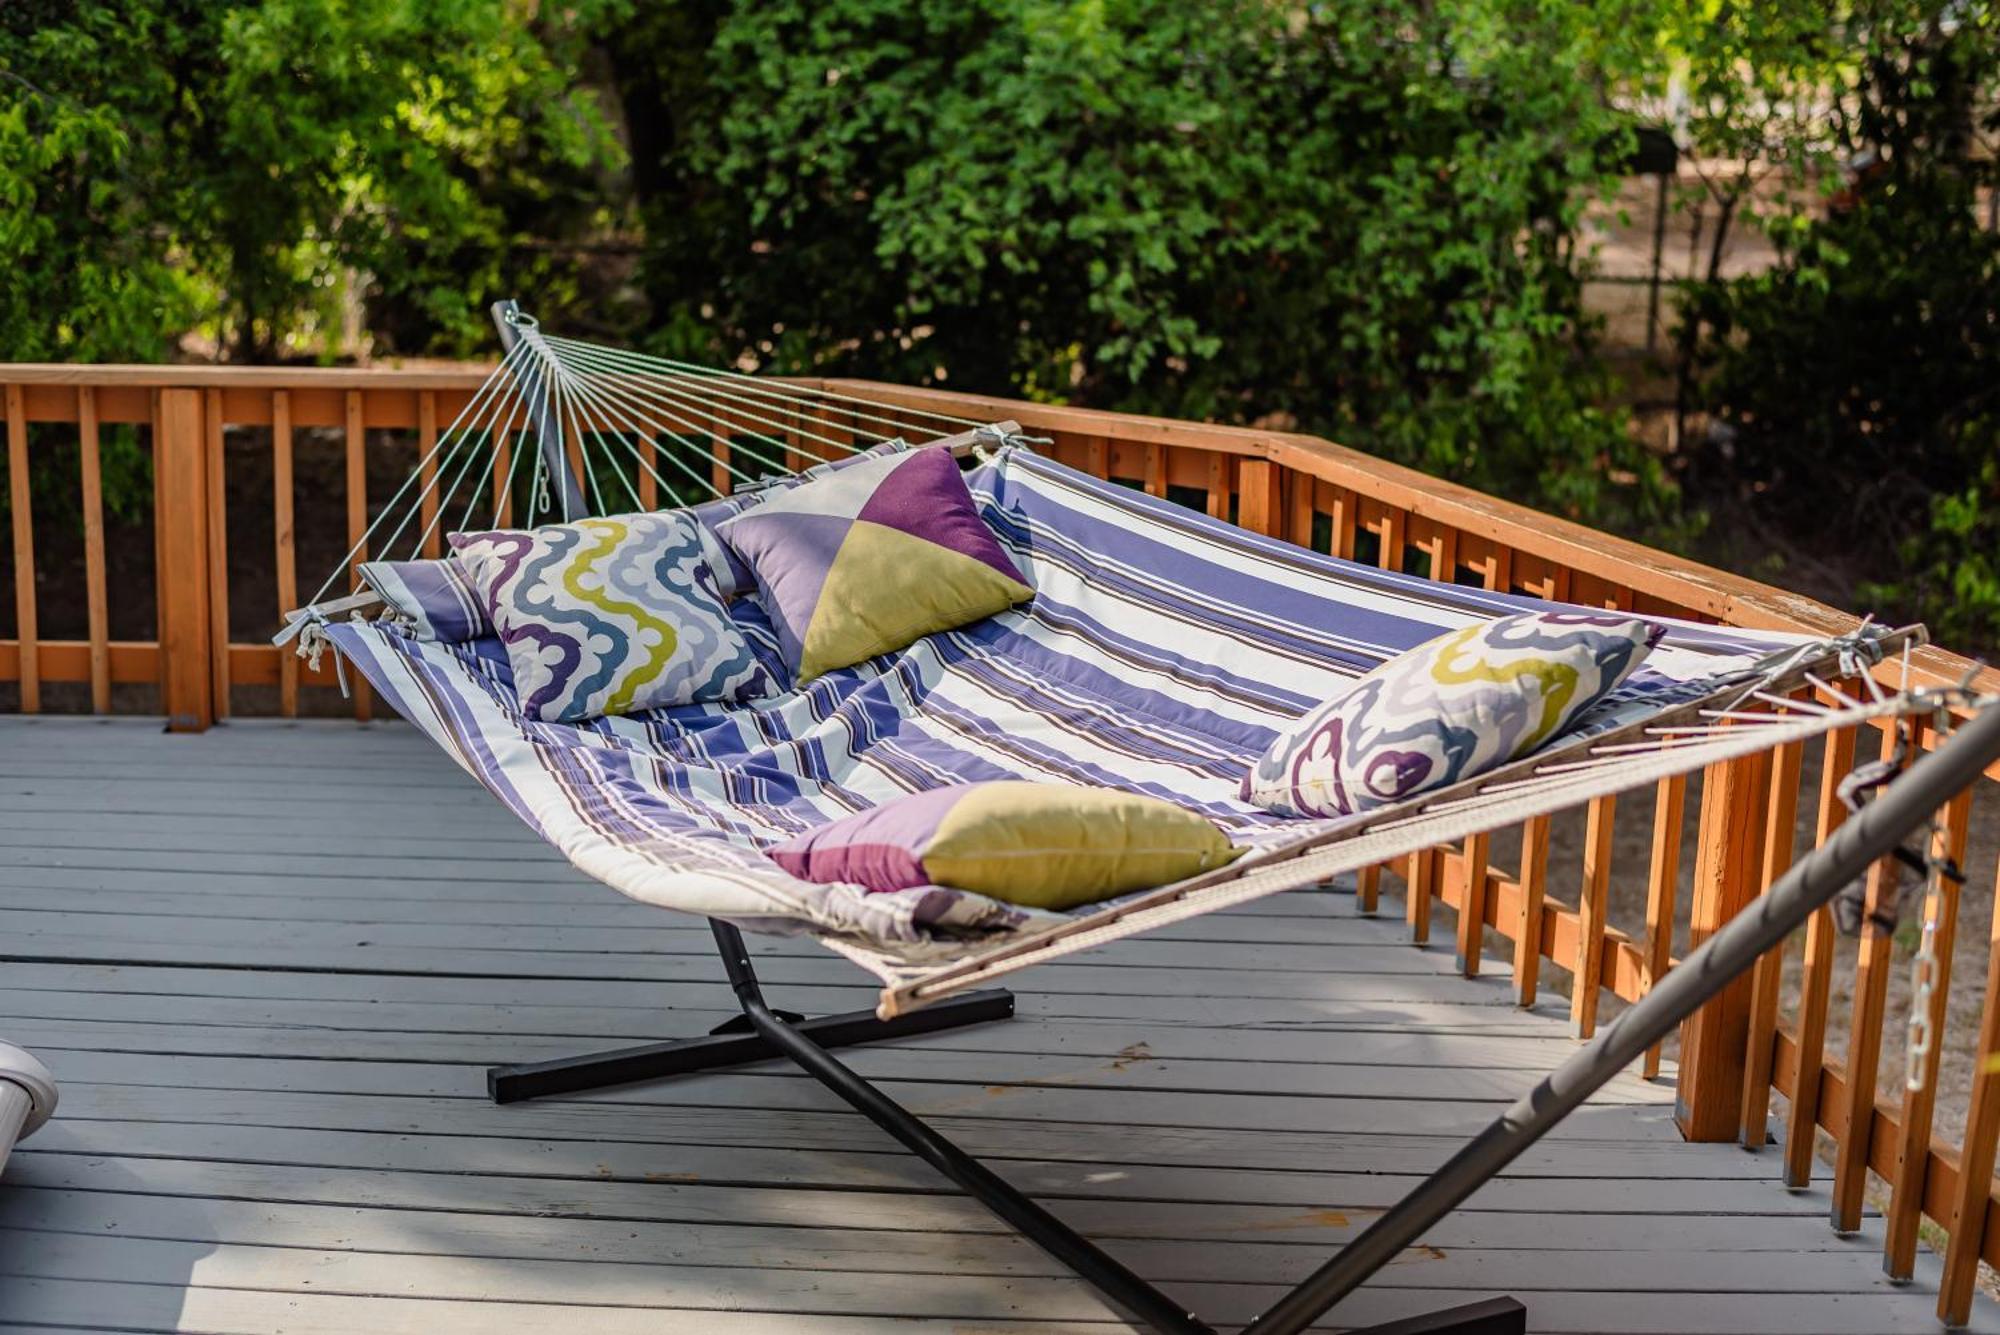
column 565, row 414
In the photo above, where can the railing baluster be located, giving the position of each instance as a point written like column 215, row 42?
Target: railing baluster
column 1816, row 977
column 503, row 500
column 427, row 507
column 1097, row 456
column 1709, row 1100
column 282, row 528
column 1864, row 1042
column 1472, row 903
column 1338, row 503
column 1591, row 906
column 1972, row 1193
column 1534, row 891
column 1417, row 879
column 1260, row 505
column 29, row 653
column 180, row 479
column 1299, row 504
column 1391, row 529
column 1913, row 1141
column 1662, row 889
column 1439, row 544
column 1218, row 485
column 647, row 464
column 218, row 551
column 1780, row 833
column 357, row 517
column 1156, row 470
column 95, row 595
column 572, row 435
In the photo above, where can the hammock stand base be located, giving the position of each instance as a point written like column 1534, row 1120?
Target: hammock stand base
column 762, row 1032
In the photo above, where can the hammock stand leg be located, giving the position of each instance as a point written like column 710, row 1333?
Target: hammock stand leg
column 762, row 1032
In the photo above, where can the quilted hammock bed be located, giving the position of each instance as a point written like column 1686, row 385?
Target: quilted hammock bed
column 1161, row 652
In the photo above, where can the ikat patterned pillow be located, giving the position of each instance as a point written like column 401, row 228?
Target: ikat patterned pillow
column 609, row 616
column 1447, row 710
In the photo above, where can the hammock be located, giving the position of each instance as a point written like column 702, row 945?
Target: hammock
column 1162, row 650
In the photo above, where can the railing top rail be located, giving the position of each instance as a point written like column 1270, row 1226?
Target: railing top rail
column 1732, row 599
column 193, row 376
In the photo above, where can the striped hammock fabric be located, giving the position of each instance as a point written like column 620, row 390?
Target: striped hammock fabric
column 1161, row 652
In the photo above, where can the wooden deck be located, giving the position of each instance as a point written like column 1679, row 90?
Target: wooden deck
column 269, row 964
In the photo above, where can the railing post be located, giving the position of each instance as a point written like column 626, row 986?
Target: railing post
column 24, row 551
column 181, row 547
column 1715, row 1043
column 1259, row 505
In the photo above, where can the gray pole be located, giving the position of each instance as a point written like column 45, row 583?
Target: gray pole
column 1904, row 806
column 514, row 326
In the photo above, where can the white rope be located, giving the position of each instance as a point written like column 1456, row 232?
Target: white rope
column 492, row 456
column 770, row 387
column 688, row 390
column 582, row 408
column 643, row 397
column 661, row 389
column 604, row 396
column 491, row 385
column 600, row 399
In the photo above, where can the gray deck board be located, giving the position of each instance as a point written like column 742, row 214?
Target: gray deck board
column 269, row 965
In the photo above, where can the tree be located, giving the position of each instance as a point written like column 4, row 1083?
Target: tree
column 234, row 166
column 1362, row 220
column 1853, row 381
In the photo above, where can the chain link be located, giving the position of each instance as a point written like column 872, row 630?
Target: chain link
column 1924, row 967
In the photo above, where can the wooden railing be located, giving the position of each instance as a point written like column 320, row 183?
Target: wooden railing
column 1743, row 818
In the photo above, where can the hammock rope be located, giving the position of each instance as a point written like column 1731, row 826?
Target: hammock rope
column 611, row 413
column 561, row 413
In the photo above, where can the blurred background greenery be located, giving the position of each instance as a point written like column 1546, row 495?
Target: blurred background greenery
column 1388, row 224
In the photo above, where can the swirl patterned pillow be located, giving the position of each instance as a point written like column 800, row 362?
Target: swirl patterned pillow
column 609, row 616
column 1449, row 709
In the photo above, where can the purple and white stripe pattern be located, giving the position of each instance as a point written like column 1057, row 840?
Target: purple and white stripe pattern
column 435, row 597
column 1162, row 653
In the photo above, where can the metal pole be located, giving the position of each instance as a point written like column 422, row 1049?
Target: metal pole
column 514, row 325
column 1880, row 828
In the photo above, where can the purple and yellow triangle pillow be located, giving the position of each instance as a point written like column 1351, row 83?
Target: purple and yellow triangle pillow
column 870, row 559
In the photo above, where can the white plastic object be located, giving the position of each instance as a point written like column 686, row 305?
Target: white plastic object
column 27, row 1097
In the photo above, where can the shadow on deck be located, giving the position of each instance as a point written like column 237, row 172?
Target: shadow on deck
column 269, row 965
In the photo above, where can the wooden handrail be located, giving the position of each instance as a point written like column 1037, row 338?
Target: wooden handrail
column 1731, row 599
column 466, row 377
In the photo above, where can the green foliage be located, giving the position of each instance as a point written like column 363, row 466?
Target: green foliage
column 233, row 165
column 88, row 280
column 1361, row 220
column 1855, row 379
